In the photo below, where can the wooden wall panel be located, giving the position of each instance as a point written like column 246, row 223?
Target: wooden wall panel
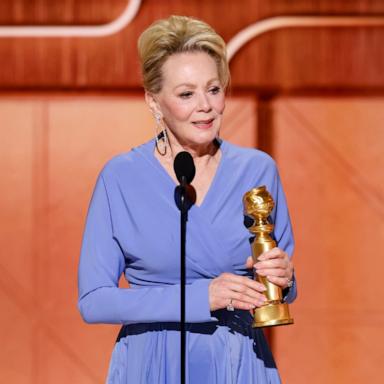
column 18, row 219
column 283, row 60
column 327, row 59
column 59, row 12
column 240, row 124
column 51, row 154
column 53, row 149
column 329, row 151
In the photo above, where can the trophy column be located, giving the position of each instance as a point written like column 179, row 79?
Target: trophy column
column 258, row 204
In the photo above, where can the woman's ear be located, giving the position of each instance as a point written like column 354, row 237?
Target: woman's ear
column 152, row 104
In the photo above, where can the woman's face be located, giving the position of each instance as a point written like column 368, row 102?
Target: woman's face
column 191, row 100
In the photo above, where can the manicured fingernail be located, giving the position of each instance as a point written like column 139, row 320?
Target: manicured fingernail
column 260, row 301
column 262, row 288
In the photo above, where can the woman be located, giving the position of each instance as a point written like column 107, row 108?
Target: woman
column 133, row 226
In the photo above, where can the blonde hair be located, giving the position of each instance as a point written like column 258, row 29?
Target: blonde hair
column 178, row 34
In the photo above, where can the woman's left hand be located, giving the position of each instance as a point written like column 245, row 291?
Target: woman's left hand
column 275, row 265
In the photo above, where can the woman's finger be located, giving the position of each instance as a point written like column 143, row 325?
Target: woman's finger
column 273, row 254
column 249, row 263
column 280, row 281
column 245, row 293
column 272, row 263
column 238, row 304
column 243, row 280
column 240, row 298
column 277, row 272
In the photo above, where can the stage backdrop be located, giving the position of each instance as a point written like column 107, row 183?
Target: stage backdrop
column 311, row 97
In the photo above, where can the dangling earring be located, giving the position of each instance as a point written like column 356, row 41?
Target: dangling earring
column 161, row 136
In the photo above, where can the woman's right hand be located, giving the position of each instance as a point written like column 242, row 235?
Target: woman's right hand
column 239, row 291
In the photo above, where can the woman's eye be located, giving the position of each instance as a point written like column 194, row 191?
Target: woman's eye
column 185, row 95
column 214, row 90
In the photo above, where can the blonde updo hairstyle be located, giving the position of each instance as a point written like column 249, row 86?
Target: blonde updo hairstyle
column 178, row 34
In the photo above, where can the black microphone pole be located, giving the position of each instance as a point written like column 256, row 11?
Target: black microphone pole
column 185, row 172
column 183, row 233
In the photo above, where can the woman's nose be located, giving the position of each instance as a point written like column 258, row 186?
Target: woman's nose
column 203, row 103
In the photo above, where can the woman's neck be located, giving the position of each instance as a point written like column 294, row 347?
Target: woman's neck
column 202, row 154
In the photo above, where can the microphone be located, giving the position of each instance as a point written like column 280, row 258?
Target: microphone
column 185, row 194
column 184, row 168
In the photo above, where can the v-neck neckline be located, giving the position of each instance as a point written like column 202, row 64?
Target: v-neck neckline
column 149, row 148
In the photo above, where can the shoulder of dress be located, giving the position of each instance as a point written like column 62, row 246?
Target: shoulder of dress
column 116, row 162
column 125, row 162
column 248, row 155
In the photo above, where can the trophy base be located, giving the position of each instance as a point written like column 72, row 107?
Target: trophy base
column 271, row 315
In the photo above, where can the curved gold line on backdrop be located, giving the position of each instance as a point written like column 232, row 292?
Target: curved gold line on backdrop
column 111, row 28
column 280, row 22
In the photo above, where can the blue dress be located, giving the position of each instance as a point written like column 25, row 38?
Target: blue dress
column 132, row 227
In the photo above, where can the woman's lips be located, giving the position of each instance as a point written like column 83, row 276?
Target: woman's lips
column 203, row 124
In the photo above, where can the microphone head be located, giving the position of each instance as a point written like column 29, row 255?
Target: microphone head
column 184, row 167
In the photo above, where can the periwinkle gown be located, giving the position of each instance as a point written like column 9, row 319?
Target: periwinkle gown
column 133, row 227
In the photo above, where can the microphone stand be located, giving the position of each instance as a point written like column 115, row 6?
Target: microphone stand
column 185, row 172
column 183, row 229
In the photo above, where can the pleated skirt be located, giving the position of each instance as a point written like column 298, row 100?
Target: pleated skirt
column 228, row 351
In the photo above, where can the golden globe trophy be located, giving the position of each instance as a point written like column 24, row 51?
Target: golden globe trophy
column 258, row 204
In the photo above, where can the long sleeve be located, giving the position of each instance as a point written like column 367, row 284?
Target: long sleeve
column 102, row 262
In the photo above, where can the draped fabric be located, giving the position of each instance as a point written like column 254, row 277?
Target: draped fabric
column 133, row 228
